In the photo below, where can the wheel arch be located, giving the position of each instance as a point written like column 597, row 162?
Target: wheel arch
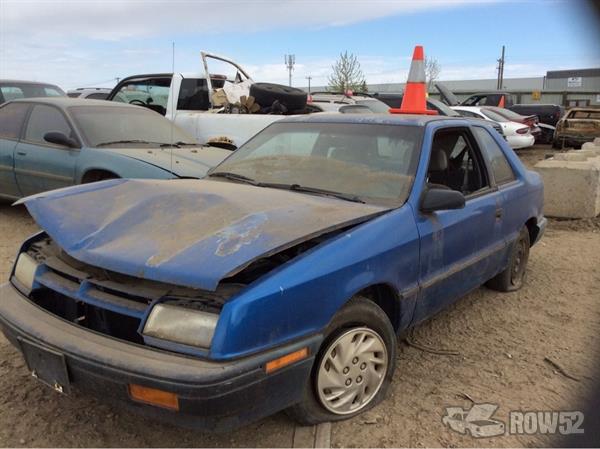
column 386, row 297
column 533, row 229
column 96, row 174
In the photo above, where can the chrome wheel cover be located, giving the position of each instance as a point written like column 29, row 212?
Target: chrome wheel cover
column 352, row 371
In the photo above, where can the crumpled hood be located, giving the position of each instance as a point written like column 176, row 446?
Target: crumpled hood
column 190, row 162
column 185, row 232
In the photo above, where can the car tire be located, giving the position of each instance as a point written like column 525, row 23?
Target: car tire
column 513, row 276
column 266, row 94
column 359, row 320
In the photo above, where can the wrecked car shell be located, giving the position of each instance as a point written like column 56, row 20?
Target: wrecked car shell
column 577, row 126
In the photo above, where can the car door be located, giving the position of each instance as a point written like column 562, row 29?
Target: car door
column 506, row 182
column 40, row 165
column 12, row 116
column 459, row 249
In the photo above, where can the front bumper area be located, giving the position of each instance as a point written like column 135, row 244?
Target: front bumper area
column 213, row 396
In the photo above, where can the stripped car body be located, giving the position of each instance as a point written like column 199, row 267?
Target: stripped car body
column 576, row 127
column 269, row 264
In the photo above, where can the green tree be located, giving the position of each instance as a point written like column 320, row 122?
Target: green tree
column 347, row 74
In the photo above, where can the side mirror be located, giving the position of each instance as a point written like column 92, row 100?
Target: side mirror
column 436, row 198
column 60, row 139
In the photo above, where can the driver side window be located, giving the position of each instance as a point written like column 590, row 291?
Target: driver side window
column 152, row 94
column 456, row 162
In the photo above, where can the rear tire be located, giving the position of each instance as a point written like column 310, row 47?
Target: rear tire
column 354, row 367
column 266, row 94
column 512, row 277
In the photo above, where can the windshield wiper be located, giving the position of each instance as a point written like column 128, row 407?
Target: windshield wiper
column 177, row 144
column 115, row 142
column 325, row 192
column 234, row 177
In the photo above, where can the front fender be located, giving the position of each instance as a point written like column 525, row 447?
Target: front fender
column 301, row 297
column 120, row 165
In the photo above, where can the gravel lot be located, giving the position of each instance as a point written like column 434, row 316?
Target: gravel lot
column 502, row 341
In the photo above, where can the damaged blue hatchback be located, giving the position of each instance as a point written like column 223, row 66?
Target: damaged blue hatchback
column 281, row 280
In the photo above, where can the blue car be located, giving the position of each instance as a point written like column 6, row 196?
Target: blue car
column 53, row 142
column 279, row 281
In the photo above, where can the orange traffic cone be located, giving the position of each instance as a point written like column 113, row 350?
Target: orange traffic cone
column 414, row 99
column 501, row 102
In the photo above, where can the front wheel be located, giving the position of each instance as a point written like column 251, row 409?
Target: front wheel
column 512, row 277
column 354, row 366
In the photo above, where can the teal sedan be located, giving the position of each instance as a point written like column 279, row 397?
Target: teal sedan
column 50, row 143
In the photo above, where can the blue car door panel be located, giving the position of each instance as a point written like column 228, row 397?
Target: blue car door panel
column 39, row 165
column 460, row 249
column 11, row 122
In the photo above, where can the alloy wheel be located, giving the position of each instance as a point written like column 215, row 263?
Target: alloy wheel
column 352, row 371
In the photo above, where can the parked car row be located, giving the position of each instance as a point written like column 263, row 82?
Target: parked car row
column 281, row 278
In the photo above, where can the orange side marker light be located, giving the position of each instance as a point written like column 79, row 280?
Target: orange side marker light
column 153, row 396
column 286, row 360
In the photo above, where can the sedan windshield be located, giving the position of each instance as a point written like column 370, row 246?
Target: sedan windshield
column 507, row 113
column 359, row 162
column 494, row 116
column 114, row 125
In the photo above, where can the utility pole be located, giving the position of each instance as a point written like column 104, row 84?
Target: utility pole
column 309, row 78
column 501, row 70
column 290, row 60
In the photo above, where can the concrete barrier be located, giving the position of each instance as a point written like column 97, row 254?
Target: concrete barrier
column 572, row 182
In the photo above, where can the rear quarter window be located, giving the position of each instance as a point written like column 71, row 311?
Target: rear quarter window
column 501, row 169
column 11, row 120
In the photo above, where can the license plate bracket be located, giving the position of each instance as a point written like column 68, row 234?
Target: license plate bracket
column 46, row 365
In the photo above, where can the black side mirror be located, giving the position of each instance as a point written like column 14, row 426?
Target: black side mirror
column 60, row 139
column 436, row 198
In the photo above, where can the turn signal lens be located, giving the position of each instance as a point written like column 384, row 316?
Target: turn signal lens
column 286, row 360
column 152, row 396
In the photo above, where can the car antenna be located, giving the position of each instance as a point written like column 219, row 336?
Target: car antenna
column 172, row 118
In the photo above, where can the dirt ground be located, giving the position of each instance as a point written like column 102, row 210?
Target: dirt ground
column 501, row 340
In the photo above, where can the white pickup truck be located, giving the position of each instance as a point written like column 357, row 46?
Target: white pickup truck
column 196, row 102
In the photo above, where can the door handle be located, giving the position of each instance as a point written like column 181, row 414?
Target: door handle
column 21, row 153
column 499, row 212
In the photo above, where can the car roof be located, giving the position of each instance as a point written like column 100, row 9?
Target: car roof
column 89, row 89
column 374, row 119
column 43, row 83
column 63, row 102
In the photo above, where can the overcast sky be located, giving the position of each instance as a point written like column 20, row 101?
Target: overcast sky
column 90, row 43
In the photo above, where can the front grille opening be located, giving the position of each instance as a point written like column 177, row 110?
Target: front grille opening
column 89, row 316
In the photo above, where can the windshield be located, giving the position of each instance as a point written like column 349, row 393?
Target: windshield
column 376, row 106
column 104, row 124
column 508, row 114
column 443, row 108
column 13, row 91
column 375, row 163
column 494, row 116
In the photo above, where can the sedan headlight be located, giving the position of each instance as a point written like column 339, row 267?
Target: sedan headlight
column 25, row 269
column 181, row 325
